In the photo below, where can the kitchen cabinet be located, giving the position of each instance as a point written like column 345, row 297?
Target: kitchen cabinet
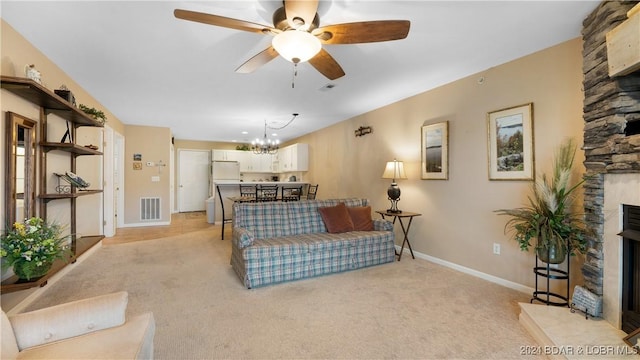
column 293, row 158
column 228, row 155
column 249, row 162
column 261, row 163
column 50, row 103
column 288, row 159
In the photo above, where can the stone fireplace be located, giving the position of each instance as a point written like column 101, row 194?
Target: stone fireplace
column 612, row 156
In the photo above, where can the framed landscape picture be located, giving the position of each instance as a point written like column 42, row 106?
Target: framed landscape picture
column 511, row 143
column 435, row 151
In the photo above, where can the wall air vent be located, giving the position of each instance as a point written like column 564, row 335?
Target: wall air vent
column 149, row 208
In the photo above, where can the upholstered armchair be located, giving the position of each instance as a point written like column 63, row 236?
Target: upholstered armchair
column 93, row 328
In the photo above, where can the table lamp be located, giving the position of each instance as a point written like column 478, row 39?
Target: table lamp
column 394, row 170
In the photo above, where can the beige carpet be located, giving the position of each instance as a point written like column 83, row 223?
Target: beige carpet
column 407, row 309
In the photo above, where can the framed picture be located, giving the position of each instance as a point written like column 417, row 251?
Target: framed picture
column 633, row 339
column 511, row 143
column 435, row 151
column 137, row 165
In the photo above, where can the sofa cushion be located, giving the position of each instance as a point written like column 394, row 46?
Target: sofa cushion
column 275, row 247
column 69, row 319
column 264, row 220
column 336, row 218
column 132, row 340
column 305, row 218
column 361, row 218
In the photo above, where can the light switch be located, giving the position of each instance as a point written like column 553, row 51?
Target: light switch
column 155, row 178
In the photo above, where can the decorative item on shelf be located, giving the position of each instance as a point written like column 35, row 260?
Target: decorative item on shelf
column 97, row 115
column 67, row 135
column 394, row 170
column 549, row 217
column 32, row 73
column 265, row 146
column 32, row 246
column 72, row 179
column 66, row 94
column 91, row 146
column 363, row 130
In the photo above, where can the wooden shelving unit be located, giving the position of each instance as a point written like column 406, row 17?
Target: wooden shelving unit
column 50, row 103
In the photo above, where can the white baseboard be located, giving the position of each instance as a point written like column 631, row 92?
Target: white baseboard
column 159, row 223
column 52, row 280
column 466, row 270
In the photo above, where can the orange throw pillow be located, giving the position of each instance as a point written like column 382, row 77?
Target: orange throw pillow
column 361, row 218
column 336, row 218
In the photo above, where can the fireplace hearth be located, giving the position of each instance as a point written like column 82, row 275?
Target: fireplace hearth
column 630, row 268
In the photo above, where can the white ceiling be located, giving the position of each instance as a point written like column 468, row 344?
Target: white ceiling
column 149, row 68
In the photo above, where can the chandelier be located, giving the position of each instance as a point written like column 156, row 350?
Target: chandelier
column 265, row 146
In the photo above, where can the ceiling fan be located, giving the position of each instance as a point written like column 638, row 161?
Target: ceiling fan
column 298, row 36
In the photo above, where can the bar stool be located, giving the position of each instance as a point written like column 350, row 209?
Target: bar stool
column 291, row 193
column 266, row 193
column 312, row 191
column 248, row 192
column 224, row 218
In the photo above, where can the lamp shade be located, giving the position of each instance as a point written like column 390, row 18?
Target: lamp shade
column 394, row 170
column 296, row 46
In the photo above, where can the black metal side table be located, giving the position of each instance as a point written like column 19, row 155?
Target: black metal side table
column 548, row 273
column 405, row 230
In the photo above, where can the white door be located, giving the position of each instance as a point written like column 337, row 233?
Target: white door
column 118, row 178
column 108, row 189
column 193, row 179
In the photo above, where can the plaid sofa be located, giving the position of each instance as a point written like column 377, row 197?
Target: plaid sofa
column 282, row 241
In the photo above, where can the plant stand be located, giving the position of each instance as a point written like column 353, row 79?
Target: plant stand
column 548, row 273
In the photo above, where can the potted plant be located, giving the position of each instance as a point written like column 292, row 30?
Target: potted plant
column 31, row 248
column 549, row 217
column 95, row 113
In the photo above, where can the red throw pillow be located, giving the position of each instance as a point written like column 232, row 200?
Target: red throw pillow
column 336, row 218
column 361, row 218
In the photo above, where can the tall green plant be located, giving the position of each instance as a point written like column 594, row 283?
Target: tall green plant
column 549, row 217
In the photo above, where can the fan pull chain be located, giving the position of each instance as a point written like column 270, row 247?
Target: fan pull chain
column 295, row 73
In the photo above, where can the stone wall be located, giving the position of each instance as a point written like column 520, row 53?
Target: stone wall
column 610, row 105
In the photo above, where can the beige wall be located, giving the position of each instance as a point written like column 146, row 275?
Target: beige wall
column 154, row 144
column 458, row 224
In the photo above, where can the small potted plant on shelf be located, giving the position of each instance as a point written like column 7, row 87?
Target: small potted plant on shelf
column 549, row 218
column 95, row 113
column 32, row 246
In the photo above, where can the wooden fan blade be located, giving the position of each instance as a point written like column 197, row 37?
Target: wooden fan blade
column 300, row 13
column 363, row 32
column 258, row 60
column 327, row 65
column 222, row 21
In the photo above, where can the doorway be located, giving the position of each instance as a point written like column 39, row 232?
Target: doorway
column 113, row 159
column 193, row 179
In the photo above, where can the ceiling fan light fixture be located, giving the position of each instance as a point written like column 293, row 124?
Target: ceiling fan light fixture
column 296, row 45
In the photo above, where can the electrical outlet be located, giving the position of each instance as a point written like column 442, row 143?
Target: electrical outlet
column 496, row 248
